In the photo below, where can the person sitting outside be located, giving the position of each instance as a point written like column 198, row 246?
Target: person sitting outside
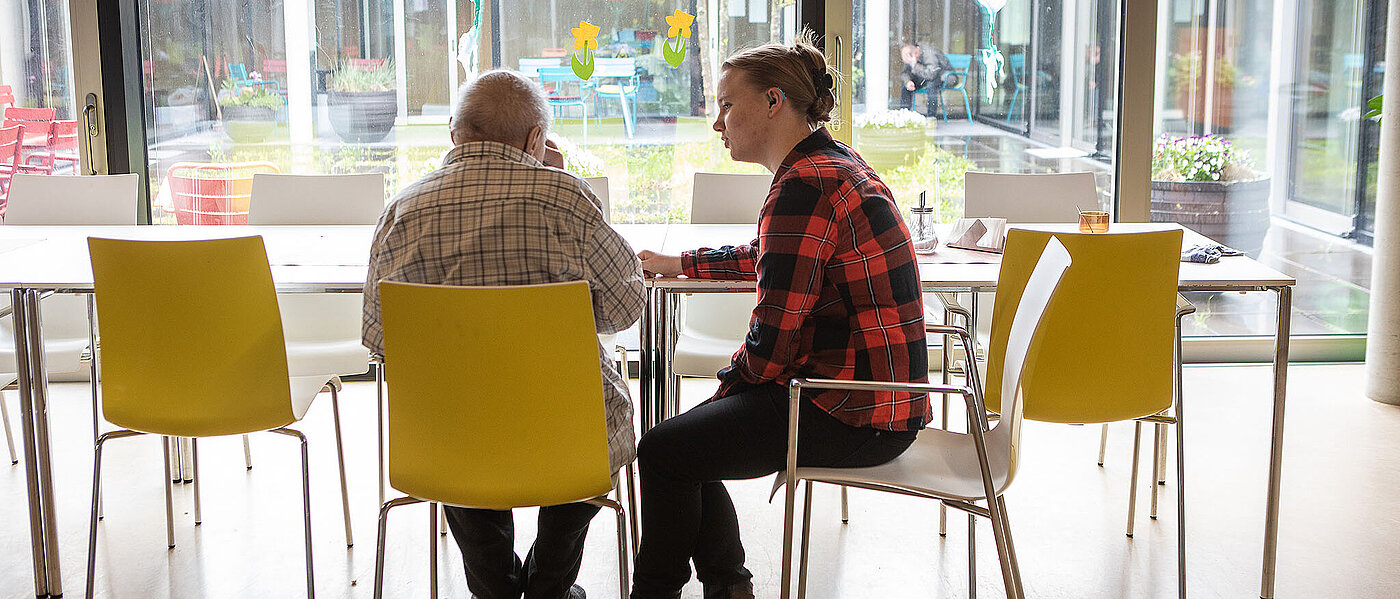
column 501, row 211
column 926, row 68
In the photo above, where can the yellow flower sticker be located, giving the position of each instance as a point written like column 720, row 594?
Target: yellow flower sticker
column 585, row 41
column 674, row 48
column 680, row 24
column 586, row 35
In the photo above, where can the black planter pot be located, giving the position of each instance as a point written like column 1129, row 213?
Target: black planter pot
column 363, row 117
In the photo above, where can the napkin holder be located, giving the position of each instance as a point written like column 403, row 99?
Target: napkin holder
column 979, row 234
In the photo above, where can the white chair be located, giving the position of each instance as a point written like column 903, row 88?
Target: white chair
column 316, row 199
column 62, row 200
column 959, row 469
column 1018, row 198
column 713, row 325
column 322, row 330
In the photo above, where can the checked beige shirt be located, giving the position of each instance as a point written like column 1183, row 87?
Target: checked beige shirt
column 493, row 215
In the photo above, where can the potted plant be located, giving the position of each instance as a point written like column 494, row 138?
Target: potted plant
column 1206, row 184
column 363, row 101
column 249, row 112
column 890, row 138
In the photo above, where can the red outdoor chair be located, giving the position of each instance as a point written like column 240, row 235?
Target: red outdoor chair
column 10, row 138
column 62, row 147
column 7, row 95
column 36, row 123
column 213, row 194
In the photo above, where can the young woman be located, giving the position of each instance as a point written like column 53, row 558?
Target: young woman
column 838, row 297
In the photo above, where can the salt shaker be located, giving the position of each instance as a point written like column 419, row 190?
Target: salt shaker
column 922, row 226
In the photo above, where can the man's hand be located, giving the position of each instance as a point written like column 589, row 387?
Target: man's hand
column 659, row 265
column 909, row 85
column 552, row 156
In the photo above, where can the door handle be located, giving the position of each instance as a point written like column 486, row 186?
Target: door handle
column 90, row 125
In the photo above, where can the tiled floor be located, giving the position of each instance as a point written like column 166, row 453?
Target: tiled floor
column 1338, row 521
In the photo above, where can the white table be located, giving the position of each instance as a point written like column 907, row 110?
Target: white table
column 38, row 260
column 35, row 261
column 1238, row 273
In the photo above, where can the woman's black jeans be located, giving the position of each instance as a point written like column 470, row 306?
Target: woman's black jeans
column 686, row 511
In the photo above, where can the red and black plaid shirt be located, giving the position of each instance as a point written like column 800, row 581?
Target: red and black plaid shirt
column 838, row 288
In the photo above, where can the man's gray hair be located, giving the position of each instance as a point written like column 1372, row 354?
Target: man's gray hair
column 501, row 106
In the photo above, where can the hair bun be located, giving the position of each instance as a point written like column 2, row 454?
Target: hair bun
column 823, row 80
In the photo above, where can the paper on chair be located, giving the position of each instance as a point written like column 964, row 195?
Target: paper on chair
column 981, row 234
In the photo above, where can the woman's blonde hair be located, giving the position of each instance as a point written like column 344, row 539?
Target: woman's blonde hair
column 799, row 70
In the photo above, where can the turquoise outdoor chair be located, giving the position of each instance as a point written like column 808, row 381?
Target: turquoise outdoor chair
column 558, row 95
column 962, row 65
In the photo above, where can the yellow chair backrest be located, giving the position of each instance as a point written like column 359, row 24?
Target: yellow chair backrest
column 473, row 425
column 1107, row 353
column 191, row 338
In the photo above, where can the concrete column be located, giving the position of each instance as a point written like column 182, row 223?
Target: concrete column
column 299, row 33
column 877, row 57
column 1383, row 326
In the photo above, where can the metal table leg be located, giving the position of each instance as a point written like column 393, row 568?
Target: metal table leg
column 33, row 387
column 1285, row 309
column 646, row 366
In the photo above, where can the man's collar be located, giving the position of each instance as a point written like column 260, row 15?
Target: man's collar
column 489, row 149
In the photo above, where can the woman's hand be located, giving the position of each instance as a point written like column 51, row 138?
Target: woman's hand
column 659, row 265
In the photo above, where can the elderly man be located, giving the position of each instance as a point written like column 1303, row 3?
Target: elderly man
column 494, row 214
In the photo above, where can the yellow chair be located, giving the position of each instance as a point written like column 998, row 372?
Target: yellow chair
column 956, row 468
column 1111, row 346
column 518, row 429
column 230, row 379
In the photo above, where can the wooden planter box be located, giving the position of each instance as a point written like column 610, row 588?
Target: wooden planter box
column 1235, row 214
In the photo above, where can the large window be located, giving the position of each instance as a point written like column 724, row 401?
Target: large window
column 1017, row 87
column 1278, row 89
column 36, row 87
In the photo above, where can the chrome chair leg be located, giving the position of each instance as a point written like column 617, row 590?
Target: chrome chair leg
column 379, row 421
column 433, row 550
column 971, row 556
column 194, row 453
column 1158, row 436
column 380, row 540
column 340, row 460
column 305, row 504
column 633, row 509
column 247, row 453
column 622, row 558
column 169, row 509
column 96, row 494
column 1132, row 481
column 186, row 458
column 1162, row 455
column 846, row 505
column 173, row 470
column 1103, row 443
column 9, row 438
column 806, row 538
column 1010, row 546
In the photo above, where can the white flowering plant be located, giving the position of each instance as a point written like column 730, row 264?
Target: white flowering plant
column 892, row 119
column 1199, row 158
column 577, row 159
